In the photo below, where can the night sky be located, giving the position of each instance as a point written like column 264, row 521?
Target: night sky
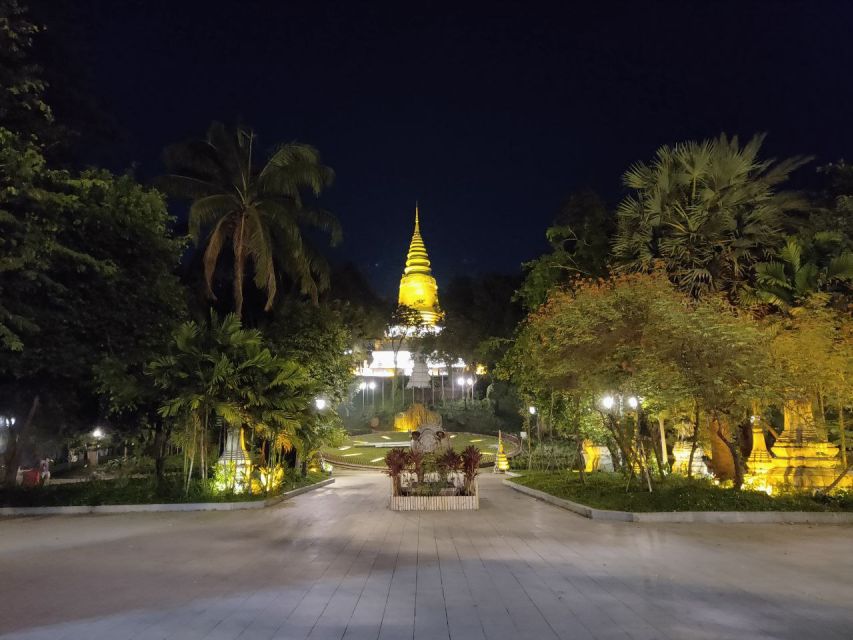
column 489, row 115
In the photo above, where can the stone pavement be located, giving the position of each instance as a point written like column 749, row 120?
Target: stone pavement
column 336, row 563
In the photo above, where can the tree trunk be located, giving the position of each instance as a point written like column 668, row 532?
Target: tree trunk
column 664, row 459
column 13, row 454
column 160, row 448
column 239, row 268
column 842, row 437
column 734, row 447
column 695, row 442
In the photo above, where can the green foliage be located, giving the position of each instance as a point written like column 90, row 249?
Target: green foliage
column 677, row 493
column 22, row 105
column 225, row 371
column 258, row 207
column 579, row 240
column 707, row 210
column 319, row 339
column 794, row 275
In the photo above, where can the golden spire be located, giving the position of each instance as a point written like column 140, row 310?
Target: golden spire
column 418, row 288
column 417, row 260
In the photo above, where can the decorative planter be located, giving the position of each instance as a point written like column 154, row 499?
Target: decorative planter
column 436, row 503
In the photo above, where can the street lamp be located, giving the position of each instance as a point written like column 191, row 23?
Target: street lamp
column 320, row 403
column 98, row 433
column 372, row 386
column 607, row 402
column 532, row 410
column 633, row 402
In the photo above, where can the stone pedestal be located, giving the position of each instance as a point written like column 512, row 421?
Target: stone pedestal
column 681, row 453
column 804, row 459
column 760, row 461
column 596, row 457
column 234, row 465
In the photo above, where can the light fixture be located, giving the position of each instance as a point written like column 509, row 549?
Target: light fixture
column 98, row 433
column 633, row 402
column 372, row 385
column 362, row 385
column 470, row 382
column 320, row 403
column 460, row 382
column 532, row 410
column 607, row 402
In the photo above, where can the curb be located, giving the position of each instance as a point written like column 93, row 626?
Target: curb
column 150, row 508
column 708, row 517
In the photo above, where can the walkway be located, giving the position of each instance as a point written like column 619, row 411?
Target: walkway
column 336, row 564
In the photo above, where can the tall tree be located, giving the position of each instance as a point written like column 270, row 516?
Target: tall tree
column 259, row 207
column 707, row 210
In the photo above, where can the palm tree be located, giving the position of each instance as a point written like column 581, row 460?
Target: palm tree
column 260, row 209
column 707, row 210
column 791, row 277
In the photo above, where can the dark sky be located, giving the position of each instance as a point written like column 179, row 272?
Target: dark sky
column 488, row 114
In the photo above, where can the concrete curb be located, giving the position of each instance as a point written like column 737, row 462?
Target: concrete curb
column 709, row 517
column 149, row 508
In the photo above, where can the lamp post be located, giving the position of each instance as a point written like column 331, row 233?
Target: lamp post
column 372, row 386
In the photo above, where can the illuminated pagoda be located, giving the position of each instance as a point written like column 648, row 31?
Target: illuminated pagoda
column 418, row 288
column 419, row 291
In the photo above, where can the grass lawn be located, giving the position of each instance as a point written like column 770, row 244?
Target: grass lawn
column 607, row 491
column 361, row 449
column 133, row 491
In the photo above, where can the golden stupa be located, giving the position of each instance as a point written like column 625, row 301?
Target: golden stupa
column 418, row 288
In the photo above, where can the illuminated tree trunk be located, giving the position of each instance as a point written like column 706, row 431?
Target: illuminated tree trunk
column 842, row 437
column 722, row 452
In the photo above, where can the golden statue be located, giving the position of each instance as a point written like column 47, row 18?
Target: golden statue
column 418, row 288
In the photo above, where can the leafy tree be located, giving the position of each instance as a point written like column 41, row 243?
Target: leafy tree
column 97, row 303
column 406, row 325
column 23, row 109
column 258, row 207
column 318, row 338
column 707, row 210
column 639, row 336
column 580, row 242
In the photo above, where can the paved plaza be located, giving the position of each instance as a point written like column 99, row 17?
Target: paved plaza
column 335, row 563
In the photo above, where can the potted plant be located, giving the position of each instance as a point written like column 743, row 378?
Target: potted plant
column 396, row 460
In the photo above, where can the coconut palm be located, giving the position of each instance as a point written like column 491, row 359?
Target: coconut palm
column 258, row 208
column 707, row 210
